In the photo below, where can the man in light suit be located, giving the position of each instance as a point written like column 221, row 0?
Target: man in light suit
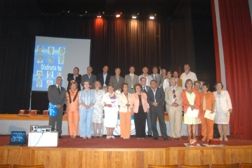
column 156, row 100
column 89, row 76
column 131, row 79
column 145, row 89
column 116, row 81
column 173, row 101
column 104, row 77
column 155, row 75
column 57, row 96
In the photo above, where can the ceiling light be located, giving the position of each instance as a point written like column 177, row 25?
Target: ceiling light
column 118, row 15
column 151, row 17
column 134, row 16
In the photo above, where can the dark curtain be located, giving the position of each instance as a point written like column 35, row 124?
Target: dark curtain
column 166, row 42
column 129, row 42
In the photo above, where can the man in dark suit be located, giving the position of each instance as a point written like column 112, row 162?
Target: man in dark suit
column 104, row 77
column 145, row 89
column 117, row 80
column 57, row 97
column 89, row 76
column 74, row 76
column 156, row 100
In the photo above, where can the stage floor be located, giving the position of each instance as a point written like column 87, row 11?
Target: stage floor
column 119, row 153
column 148, row 142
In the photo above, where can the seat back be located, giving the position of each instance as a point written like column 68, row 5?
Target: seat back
column 28, row 166
column 235, row 165
column 246, row 165
column 162, row 166
column 5, row 166
column 195, row 166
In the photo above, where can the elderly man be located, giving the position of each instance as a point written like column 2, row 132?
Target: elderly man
column 187, row 74
column 173, row 101
column 57, row 98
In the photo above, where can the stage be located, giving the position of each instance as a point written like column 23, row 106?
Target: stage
column 118, row 153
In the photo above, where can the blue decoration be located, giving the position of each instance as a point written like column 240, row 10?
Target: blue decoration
column 53, row 110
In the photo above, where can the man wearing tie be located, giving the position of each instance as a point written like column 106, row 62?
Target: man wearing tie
column 57, row 97
column 145, row 89
column 104, row 77
column 156, row 99
column 131, row 79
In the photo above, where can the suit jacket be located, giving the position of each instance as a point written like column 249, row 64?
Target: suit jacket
column 145, row 89
column 90, row 79
column 131, row 83
column 169, row 97
column 160, row 99
column 116, row 84
column 157, row 78
column 100, row 78
column 134, row 102
column 55, row 97
column 70, row 77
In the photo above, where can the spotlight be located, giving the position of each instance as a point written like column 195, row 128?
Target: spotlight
column 151, row 17
column 134, row 16
column 118, row 15
column 99, row 15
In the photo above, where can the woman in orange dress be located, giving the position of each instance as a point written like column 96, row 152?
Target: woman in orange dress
column 72, row 108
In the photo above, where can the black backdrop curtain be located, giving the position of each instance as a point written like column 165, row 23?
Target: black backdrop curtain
column 167, row 41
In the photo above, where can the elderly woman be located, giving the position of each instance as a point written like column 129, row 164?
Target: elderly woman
column 125, row 114
column 98, row 110
column 207, row 110
column 86, row 106
column 110, row 102
column 223, row 107
column 191, row 105
column 140, row 107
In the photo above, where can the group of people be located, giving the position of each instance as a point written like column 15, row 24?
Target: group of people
column 93, row 102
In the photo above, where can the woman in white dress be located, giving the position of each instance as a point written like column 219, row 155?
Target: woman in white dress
column 191, row 105
column 110, row 101
column 223, row 107
column 98, row 110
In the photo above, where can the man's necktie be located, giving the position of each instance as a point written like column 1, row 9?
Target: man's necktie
column 59, row 89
